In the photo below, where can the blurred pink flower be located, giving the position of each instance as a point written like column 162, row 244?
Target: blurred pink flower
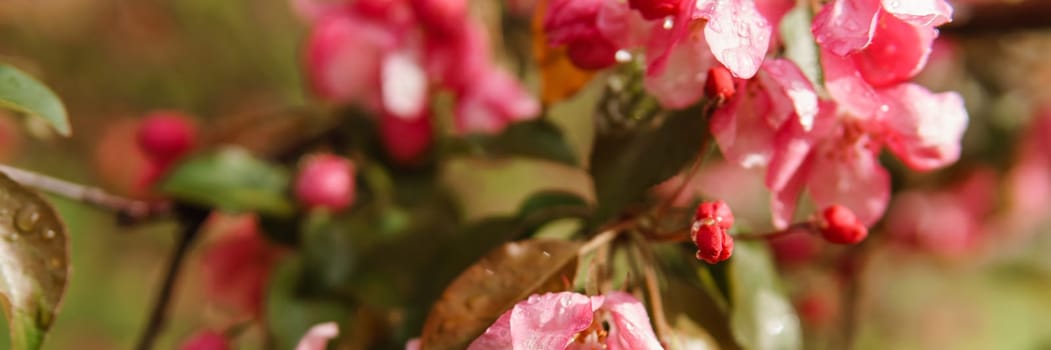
column 947, row 221
column 318, row 336
column 237, row 264
column 569, row 320
column 206, row 340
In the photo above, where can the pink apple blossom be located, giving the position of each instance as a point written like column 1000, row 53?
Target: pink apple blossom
column 237, row 264
column 318, row 336
column 846, row 26
column 569, row 320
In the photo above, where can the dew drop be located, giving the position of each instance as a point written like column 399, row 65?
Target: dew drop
column 884, row 108
column 669, row 22
column 27, row 218
column 622, row 56
column 49, row 234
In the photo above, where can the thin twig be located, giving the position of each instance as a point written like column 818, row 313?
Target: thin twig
column 652, row 285
column 191, row 221
column 130, row 208
column 683, row 235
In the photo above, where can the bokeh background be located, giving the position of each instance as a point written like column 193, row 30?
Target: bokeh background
column 962, row 262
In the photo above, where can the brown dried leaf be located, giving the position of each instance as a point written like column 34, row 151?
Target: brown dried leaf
column 34, row 263
column 505, row 276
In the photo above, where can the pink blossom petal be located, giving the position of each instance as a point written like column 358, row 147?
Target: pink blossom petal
column 784, row 199
column 343, row 58
column 663, row 39
column 404, row 85
column 792, row 145
column 489, row 105
column 845, row 26
column 790, row 81
column 413, row 344
column 318, row 336
column 681, row 83
column 738, row 35
column 497, row 336
column 622, row 26
column 549, row 321
column 741, row 129
column 897, row 53
column 924, row 129
column 847, row 172
column 570, row 20
column 460, row 61
column 926, row 13
column 630, row 324
column 846, row 86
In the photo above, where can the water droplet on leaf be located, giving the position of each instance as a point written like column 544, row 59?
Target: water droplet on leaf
column 26, row 218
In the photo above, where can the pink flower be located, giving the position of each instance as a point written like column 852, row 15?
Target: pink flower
column 206, row 340
column 237, row 264
column 569, row 320
column 491, row 103
column 318, row 336
column 949, row 221
column 846, row 26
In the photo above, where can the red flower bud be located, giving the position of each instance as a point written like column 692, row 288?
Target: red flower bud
column 326, row 181
column 592, row 54
column 718, row 211
column 166, row 136
column 839, row 225
column 720, row 84
column 206, row 340
column 655, row 9
column 709, row 232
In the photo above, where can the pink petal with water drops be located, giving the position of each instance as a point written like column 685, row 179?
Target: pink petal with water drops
column 622, row 26
column 927, row 13
column 847, row 172
column 570, row 20
column 681, row 83
column 845, row 26
column 786, row 79
column 897, row 53
column 738, row 35
column 741, row 128
column 496, row 337
column 923, row 128
column 630, row 325
column 846, row 86
column 792, row 145
column 665, row 36
column 549, row 321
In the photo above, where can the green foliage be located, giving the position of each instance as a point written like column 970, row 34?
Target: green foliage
column 289, row 313
column 762, row 317
column 34, row 252
column 535, row 139
column 231, row 179
column 625, row 165
column 22, row 93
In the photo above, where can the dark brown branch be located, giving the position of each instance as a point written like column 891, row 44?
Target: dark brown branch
column 191, row 220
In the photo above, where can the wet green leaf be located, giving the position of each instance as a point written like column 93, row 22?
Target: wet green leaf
column 34, row 263
column 22, row 93
column 762, row 317
column 624, row 165
column 490, row 287
column 231, row 179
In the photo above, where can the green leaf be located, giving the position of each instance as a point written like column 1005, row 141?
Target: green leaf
column 231, row 179
column 490, row 287
column 762, row 317
column 34, row 263
column 289, row 315
column 800, row 46
column 625, row 165
column 534, row 139
column 22, row 93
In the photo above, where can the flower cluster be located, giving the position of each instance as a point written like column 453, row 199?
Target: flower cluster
column 821, row 138
column 407, row 49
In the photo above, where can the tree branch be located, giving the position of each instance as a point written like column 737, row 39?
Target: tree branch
column 131, row 209
column 999, row 17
